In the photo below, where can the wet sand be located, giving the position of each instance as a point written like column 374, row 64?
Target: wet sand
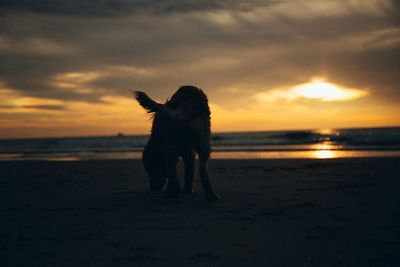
column 298, row 212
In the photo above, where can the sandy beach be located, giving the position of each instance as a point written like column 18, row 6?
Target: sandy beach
column 298, row 212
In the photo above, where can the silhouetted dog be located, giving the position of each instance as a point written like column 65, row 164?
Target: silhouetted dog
column 181, row 128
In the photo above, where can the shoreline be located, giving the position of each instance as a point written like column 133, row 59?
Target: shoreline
column 257, row 154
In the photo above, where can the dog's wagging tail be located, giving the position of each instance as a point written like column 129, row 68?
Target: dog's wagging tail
column 145, row 101
column 180, row 129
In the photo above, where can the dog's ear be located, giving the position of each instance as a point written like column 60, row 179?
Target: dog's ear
column 145, row 101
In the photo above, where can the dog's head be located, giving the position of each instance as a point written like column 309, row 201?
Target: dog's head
column 154, row 164
column 190, row 101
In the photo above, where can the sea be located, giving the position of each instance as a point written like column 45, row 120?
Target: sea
column 315, row 144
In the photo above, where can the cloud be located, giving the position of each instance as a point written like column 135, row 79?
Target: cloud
column 95, row 8
column 42, row 107
column 109, row 116
column 71, row 52
column 33, row 46
column 14, row 102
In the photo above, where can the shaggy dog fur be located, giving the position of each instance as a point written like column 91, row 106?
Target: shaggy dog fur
column 181, row 128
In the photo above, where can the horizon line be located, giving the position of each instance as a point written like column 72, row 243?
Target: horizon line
column 121, row 134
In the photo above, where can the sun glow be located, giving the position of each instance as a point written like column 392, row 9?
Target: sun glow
column 318, row 89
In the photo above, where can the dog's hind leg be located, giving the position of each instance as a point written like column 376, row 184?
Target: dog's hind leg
column 203, row 172
column 173, row 189
column 189, row 161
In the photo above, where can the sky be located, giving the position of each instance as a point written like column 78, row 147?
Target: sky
column 67, row 67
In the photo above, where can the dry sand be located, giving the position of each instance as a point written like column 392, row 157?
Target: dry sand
column 341, row 212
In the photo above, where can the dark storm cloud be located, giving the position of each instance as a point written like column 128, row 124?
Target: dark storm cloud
column 98, row 8
column 71, row 51
column 32, row 74
column 395, row 10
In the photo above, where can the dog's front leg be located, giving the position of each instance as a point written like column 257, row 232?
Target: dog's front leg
column 203, row 171
column 172, row 190
column 189, row 160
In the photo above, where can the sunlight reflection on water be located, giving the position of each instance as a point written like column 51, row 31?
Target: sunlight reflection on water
column 324, row 154
column 323, row 151
column 305, row 154
column 317, row 154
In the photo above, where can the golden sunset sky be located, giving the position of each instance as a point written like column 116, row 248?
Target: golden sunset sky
column 67, row 68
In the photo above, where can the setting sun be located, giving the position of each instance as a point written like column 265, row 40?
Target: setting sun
column 318, row 89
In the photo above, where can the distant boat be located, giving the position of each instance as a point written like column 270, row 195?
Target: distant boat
column 120, row 135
